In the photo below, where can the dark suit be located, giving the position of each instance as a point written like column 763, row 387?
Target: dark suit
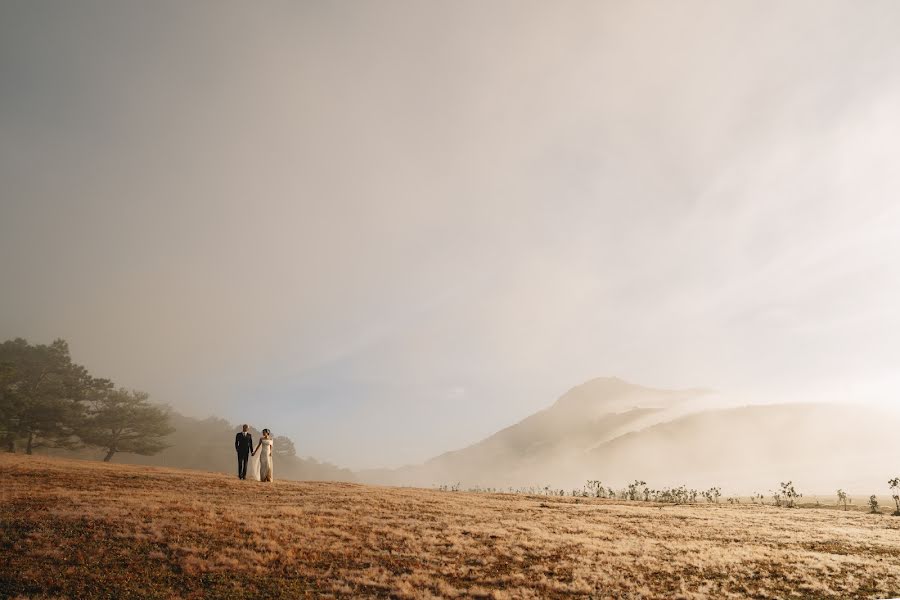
column 243, row 443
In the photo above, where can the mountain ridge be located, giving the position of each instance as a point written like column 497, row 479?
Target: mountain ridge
column 607, row 428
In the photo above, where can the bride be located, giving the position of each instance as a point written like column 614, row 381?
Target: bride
column 261, row 468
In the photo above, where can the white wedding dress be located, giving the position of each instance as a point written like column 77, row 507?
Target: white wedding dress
column 265, row 466
column 253, row 467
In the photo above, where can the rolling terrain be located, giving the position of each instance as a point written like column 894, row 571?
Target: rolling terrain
column 610, row 430
column 71, row 528
column 615, row 431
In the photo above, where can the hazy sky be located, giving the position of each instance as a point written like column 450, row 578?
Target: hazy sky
column 387, row 229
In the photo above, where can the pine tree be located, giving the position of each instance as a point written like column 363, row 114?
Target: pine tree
column 125, row 421
column 42, row 394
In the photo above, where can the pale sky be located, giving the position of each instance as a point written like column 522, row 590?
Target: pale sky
column 388, row 229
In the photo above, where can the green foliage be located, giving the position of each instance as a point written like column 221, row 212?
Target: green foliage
column 125, row 421
column 46, row 400
column 42, row 394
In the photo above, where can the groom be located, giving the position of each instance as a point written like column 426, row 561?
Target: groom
column 243, row 443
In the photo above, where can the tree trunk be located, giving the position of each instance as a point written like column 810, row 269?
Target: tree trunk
column 109, row 455
column 30, row 445
column 10, row 442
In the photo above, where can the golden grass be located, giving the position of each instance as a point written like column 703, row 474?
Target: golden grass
column 93, row 530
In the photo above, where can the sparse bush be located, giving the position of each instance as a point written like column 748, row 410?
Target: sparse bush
column 679, row 495
column 873, row 505
column 633, row 492
column 895, row 494
column 595, row 486
column 790, row 494
column 713, row 494
column 842, row 498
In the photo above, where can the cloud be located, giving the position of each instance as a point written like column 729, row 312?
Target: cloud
column 332, row 215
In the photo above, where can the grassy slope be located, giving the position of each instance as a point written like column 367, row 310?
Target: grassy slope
column 94, row 530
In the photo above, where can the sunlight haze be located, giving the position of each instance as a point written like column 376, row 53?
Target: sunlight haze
column 391, row 229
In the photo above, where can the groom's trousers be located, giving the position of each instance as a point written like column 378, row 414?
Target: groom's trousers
column 243, row 457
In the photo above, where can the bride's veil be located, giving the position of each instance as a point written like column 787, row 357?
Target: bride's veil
column 253, row 467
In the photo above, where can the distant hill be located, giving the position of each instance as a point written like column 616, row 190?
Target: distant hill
column 820, row 446
column 548, row 445
column 612, row 430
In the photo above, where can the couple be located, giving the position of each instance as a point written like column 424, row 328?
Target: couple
column 260, row 467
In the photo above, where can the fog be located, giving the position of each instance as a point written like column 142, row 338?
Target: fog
column 390, row 229
column 617, row 432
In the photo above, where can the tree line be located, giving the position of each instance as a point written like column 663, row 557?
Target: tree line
column 49, row 401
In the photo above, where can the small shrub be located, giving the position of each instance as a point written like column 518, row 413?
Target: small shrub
column 634, row 492
column 789, row 493
column 873, row 505
column 842, row 498
column 595, row 486
column 679, row 495
column 895, row 494
column 713, row 494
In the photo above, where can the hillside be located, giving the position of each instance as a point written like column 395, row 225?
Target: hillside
column 122, row 531
column 547, row 445
column 820, row 446
column 615, row 431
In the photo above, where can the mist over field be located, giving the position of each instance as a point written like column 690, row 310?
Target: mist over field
column 422, row 299
column 397, row 232
column 618, row 432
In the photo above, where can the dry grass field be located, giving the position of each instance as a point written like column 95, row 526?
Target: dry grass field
column 93, row 530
